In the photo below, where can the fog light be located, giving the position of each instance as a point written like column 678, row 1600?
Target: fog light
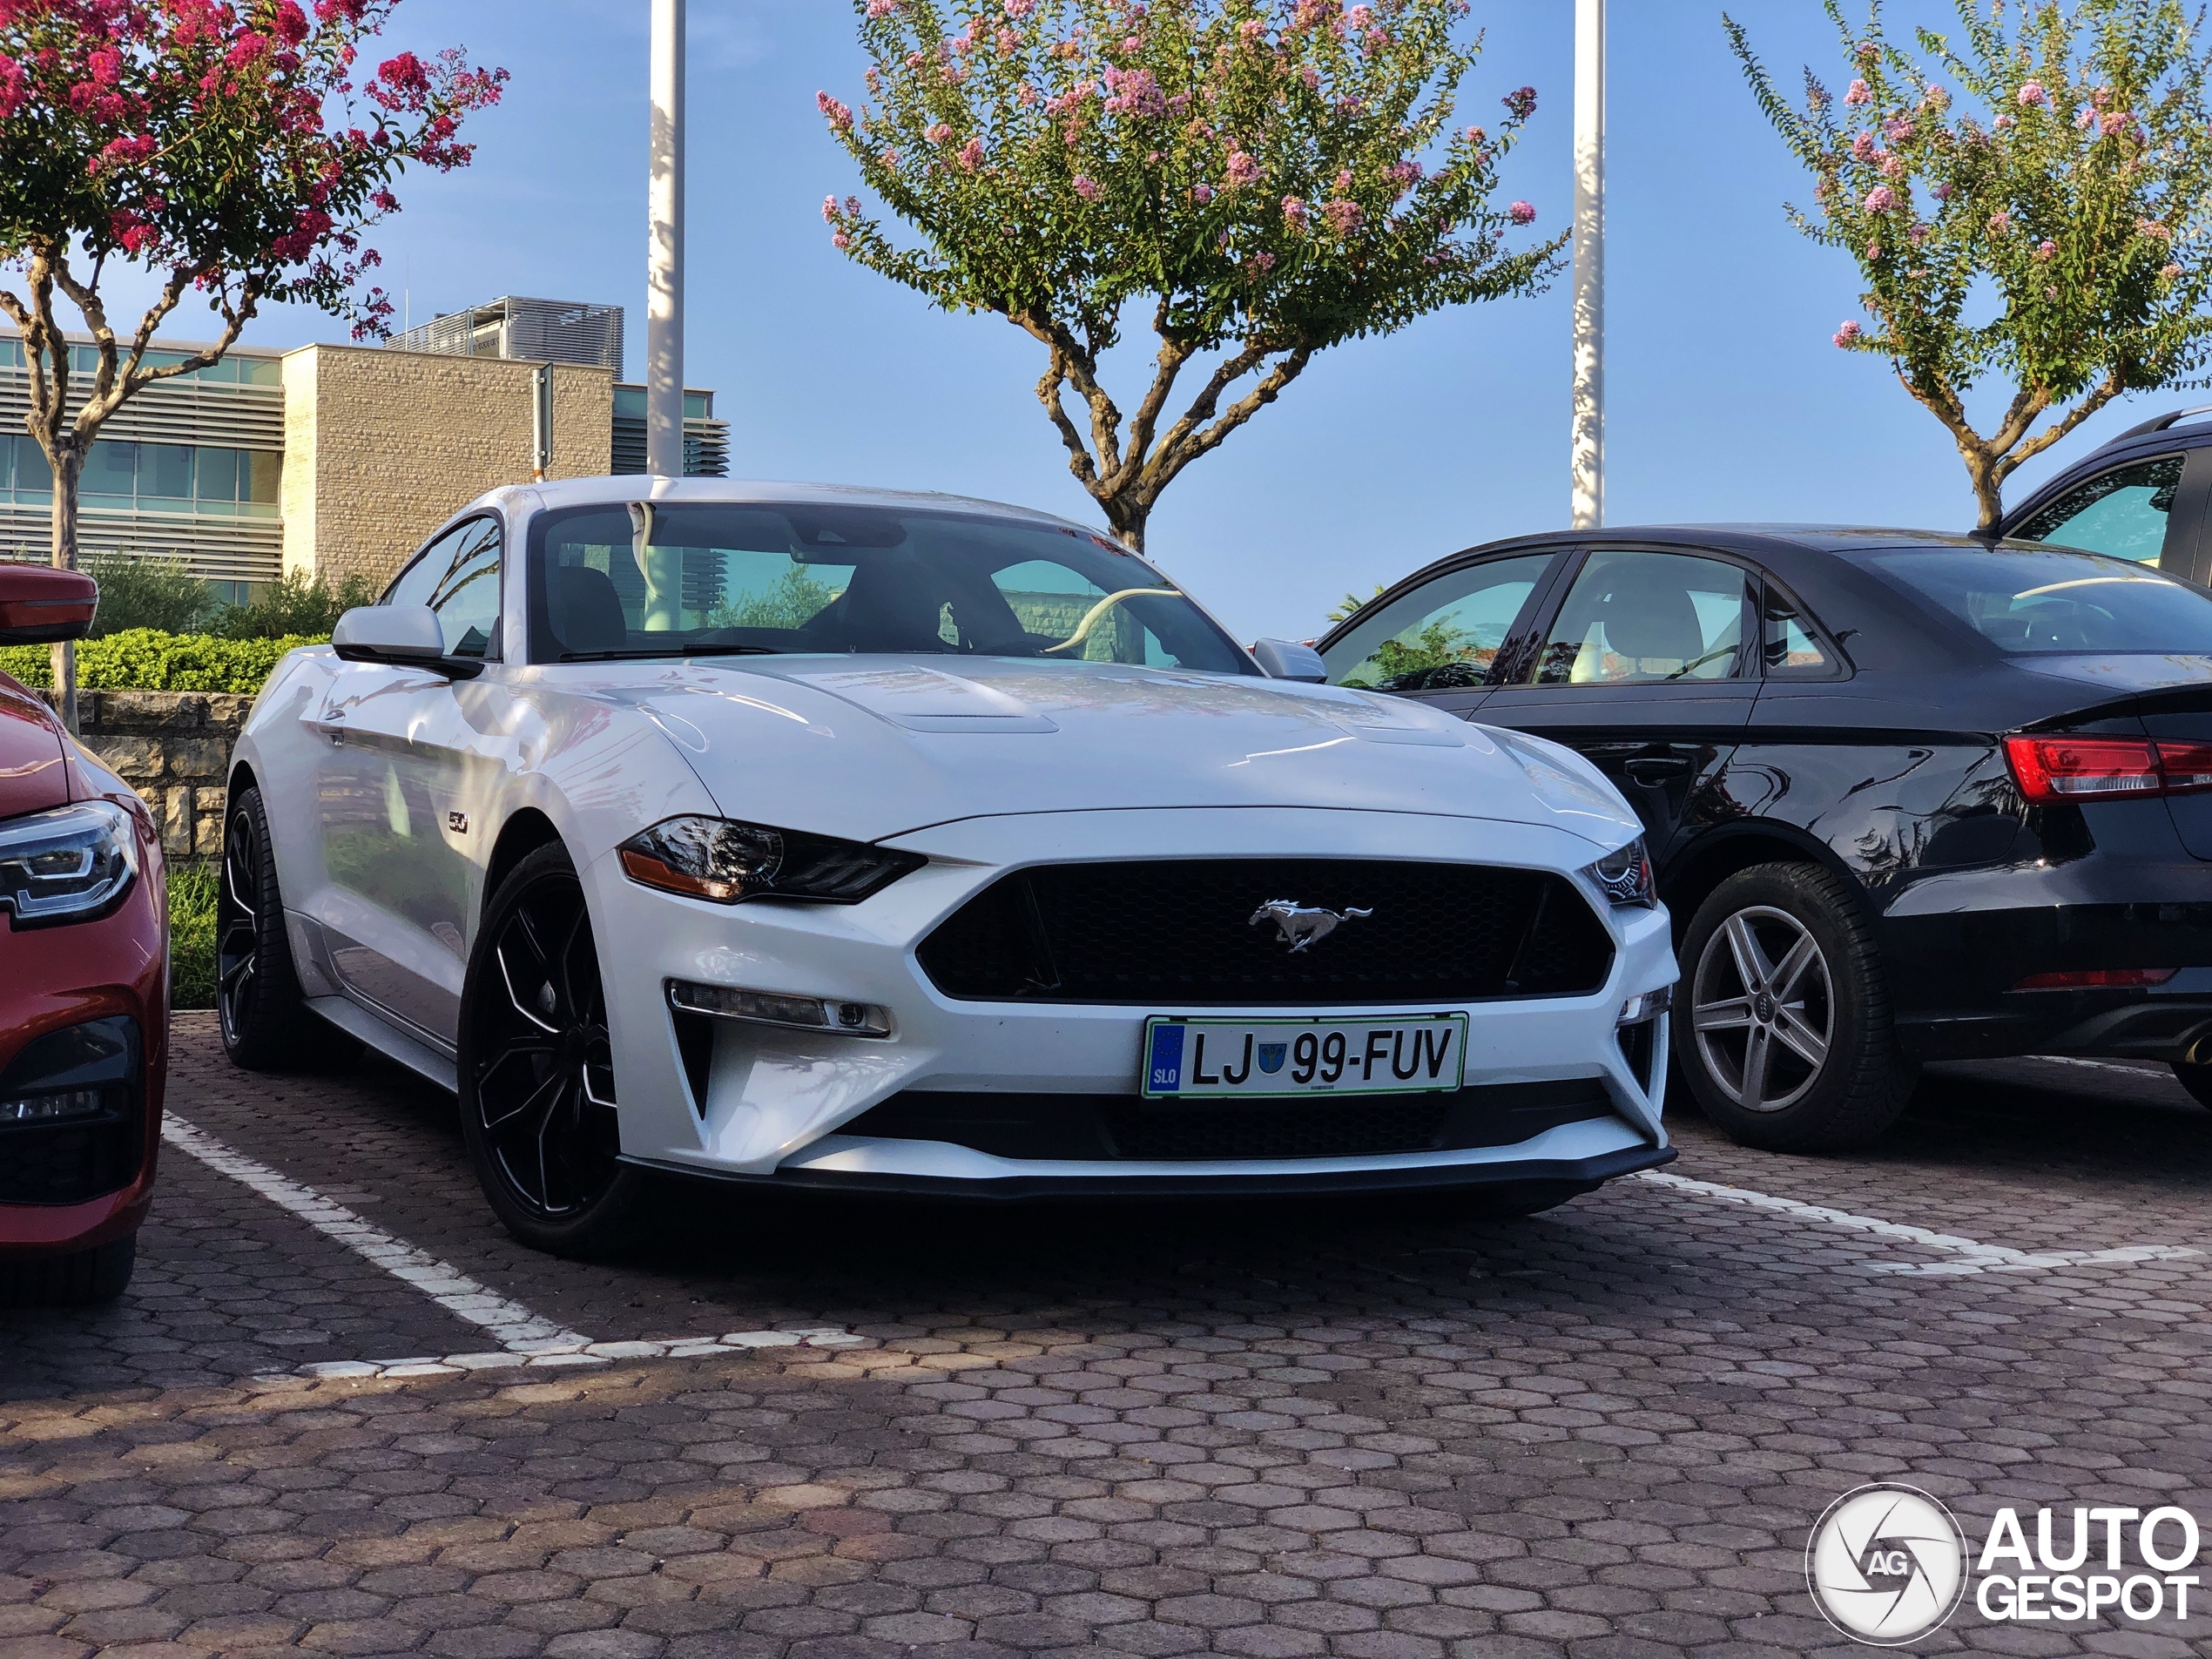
column 776, row 1008
column 54, row 1108
column 1648, row 1006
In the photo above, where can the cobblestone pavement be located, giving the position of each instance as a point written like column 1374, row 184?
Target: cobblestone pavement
column 1344, row 1428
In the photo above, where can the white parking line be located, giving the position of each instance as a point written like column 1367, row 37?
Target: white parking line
column 526, row 1338
column 517, row 1330
column 1968, row 1256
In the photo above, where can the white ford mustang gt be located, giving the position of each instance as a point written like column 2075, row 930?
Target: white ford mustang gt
column 818, row 837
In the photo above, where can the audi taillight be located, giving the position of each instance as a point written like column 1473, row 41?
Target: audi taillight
column 2054, row 769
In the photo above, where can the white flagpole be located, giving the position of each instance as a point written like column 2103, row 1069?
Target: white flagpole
column 1588, row 439
column 665, row 249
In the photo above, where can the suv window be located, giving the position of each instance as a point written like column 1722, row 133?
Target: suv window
column 457, row 575
column 1634, row 616
column 2122, row 512
column 1444, row 634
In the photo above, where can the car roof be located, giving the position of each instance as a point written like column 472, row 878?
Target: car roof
column 1750, row 539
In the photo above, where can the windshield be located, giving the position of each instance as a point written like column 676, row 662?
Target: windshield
column 696, row 579
column 2044, row 599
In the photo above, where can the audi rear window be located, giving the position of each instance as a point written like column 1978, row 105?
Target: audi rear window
column 2027, row 600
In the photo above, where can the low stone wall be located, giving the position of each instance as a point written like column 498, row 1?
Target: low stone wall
column 172, row 747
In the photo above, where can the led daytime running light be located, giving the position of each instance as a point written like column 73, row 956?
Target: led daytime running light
column 776, row 1008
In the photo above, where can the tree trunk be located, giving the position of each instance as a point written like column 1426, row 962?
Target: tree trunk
column 1127, row 515
column 1989, row 500
column 65, row 553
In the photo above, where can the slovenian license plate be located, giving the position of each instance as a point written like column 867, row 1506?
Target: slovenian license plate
column 1394, row 1053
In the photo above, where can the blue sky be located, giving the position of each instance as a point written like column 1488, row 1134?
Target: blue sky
column 1726, row 400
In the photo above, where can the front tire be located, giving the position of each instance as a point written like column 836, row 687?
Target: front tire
column 1782, row 1024
column 536, row 1068
column 257, row 1000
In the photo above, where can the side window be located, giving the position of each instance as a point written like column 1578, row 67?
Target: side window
column 2121, row 512
column 1646, row 616
column 1444, row 634
column 1791, row 649
column 457, row 575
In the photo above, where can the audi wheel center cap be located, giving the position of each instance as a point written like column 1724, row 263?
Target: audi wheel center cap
column 1886, row 1564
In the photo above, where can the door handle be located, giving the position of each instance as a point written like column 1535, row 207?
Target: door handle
column 1651, row 769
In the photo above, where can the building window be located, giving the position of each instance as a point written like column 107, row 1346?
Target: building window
column 125, row 477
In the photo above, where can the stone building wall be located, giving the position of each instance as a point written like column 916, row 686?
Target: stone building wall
column 381, row 446
column 174, row 748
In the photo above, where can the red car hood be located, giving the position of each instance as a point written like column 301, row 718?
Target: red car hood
column 34, row 772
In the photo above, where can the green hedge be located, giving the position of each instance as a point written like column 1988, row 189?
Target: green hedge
column 146, row 659
column 191, row 938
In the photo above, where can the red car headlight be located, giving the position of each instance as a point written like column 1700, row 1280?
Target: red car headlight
column 69, row 864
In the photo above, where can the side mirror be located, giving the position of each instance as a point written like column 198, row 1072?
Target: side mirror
column 39, row 605
column 1285, row 659
column 402, row 636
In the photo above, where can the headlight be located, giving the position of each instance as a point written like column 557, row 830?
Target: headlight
column 1624, row 875
column 66, row 864
column 727, row 861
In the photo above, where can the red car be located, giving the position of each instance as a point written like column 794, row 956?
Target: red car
column 84, row 984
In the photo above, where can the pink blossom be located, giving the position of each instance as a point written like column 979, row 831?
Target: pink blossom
column 889, row 158
column 2047, row 249
column 2117, row 123
column 840, row 115
column 1862, row 147
column 1405, row 174
column 1087, row 188
column 1869, row 51
column 1344, row 217
column 1897, row 129
column 2151, row 227
column 1263, row 260
column 1294, row 212
column 1858, row 93
column 1893, row 166
column 1941, row 193
column 1520, row 103
column 2169, row 272
column 2000, row 222
column 938, row 133
column 1474, row 135
column 1008, row 43
column 2002, row 122
column 1916, row 235
column 1026, row 96
column 1521, row 213
column 1201, row 194
column 1880, row 199
column 1873, row 250
column 1311, row 77
column 882, row 8
column 1018, row 10
column 1243, row 168
column 840, row 241
column 11, row 86
column 1251, row 29
column 1848, row 333
column 829, row 209
column 971, row 155
column 1343, row 181
column 2031, row 93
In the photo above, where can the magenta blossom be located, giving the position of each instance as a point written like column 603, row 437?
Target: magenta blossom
column 1294, row 212
column 1880, row 199
column 1862, row 147
column 1521, row 213
column 1201, row 194
column 1086, row 187
column 1243, row 168
column 840, row 115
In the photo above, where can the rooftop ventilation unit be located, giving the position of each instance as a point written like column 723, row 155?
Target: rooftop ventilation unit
column 538, row 330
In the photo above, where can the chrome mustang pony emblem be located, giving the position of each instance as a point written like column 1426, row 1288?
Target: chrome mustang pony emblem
column 1299, row 925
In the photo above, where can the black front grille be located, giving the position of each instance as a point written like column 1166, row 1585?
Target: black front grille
column 1179, row 934
column 1096, row 1128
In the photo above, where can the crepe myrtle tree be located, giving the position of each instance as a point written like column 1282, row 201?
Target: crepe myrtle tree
column 233, row 150
column 2043, row 226
column 1274, row 176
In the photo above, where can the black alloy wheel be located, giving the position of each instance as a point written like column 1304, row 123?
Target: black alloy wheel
column 537, row 1068
column 258, row 1001
column 1782, row 1026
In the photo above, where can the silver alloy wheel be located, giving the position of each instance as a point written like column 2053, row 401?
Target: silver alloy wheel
column 1762, row 1009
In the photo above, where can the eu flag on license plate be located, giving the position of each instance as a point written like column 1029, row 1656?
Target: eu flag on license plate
column 1165, row 1065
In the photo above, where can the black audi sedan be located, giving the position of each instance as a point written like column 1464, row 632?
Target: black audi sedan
column 1909, row 796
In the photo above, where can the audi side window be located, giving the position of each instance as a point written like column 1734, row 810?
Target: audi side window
column 1791, row 649
column 457, row 575
column 1647, row 618
column 2121, row 513
column 1443, row 635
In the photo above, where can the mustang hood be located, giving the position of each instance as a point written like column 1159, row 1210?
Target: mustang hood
column 873, row 748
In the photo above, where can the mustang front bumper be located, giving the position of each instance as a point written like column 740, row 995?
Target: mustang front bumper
column 1008, row 1099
